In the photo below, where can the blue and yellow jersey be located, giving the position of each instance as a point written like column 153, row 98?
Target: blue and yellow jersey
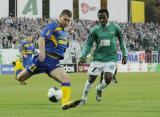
column 26, row 48
column 56, row 41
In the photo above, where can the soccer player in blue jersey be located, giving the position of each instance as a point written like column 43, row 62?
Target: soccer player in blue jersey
column 27, row 50
column 52, row 46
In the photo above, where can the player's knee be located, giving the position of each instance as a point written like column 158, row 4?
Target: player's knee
column 92, row 79
column 63, row 81
column 108, row 77
column 60, row 79
column 18, row 78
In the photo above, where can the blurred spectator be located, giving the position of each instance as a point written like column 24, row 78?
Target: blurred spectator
column 137, row 36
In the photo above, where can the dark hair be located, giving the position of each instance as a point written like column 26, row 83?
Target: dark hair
column 104, row 11
column 66, row 12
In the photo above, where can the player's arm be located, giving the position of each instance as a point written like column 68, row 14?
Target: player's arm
column 41, row 45
column 46, row 34
column 88, row 45
column 122, row 44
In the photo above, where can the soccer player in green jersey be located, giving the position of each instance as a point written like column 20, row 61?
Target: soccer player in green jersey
column 104, row 35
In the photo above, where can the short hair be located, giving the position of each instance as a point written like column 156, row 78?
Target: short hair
column 66, row 12
column 104, row 11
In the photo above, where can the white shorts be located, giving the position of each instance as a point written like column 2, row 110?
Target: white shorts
column 96, row 68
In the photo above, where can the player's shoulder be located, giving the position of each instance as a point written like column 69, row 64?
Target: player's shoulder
column 95, row 28
column 115, row 25
column 52, row 24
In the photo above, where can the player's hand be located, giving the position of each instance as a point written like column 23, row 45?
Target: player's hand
column 41, row 56
column 124, row 60
column 81, row 61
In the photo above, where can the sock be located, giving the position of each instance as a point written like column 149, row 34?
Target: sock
column 66, row 91
column 18, row 67
column 102, row 85
column 86, row 89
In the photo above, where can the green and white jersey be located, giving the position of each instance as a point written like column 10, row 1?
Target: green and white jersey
column 105, row 39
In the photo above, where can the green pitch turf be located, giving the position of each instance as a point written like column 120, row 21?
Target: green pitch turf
column 136, row 95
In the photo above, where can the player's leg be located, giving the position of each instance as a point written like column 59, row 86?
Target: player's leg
column 99, row 92
column 114, row 76
column 34, row 68
column 109, row 70
column 26, row 62
column 105, row 82
column 101, row 77
column 87, row 88
column 61, row 76
column 18, row 67
column 23, row 75
column 93, row 72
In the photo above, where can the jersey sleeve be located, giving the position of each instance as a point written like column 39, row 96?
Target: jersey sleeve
column 48, row 31
column 121, row 40
column 88, row 44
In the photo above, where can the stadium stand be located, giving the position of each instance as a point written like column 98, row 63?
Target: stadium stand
column 137, row 36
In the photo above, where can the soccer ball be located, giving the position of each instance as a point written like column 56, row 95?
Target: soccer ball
column 54, row 94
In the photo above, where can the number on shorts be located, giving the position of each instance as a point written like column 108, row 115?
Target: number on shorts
column 32, row 67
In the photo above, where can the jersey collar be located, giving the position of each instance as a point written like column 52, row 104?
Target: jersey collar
column 105, row 25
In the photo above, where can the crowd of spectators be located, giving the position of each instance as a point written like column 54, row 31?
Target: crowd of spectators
column 13, row 30
column 139, row 36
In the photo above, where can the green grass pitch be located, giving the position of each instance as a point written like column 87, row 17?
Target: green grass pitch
column 136, row 95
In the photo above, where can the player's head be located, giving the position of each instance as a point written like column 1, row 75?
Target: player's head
column 65, row 18
column 29, row 38
column 103, row 16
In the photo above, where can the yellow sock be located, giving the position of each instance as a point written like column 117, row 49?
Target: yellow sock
column 18, row 66
column 66, row 91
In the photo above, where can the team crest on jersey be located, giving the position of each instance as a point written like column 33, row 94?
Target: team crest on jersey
column 105, row 42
